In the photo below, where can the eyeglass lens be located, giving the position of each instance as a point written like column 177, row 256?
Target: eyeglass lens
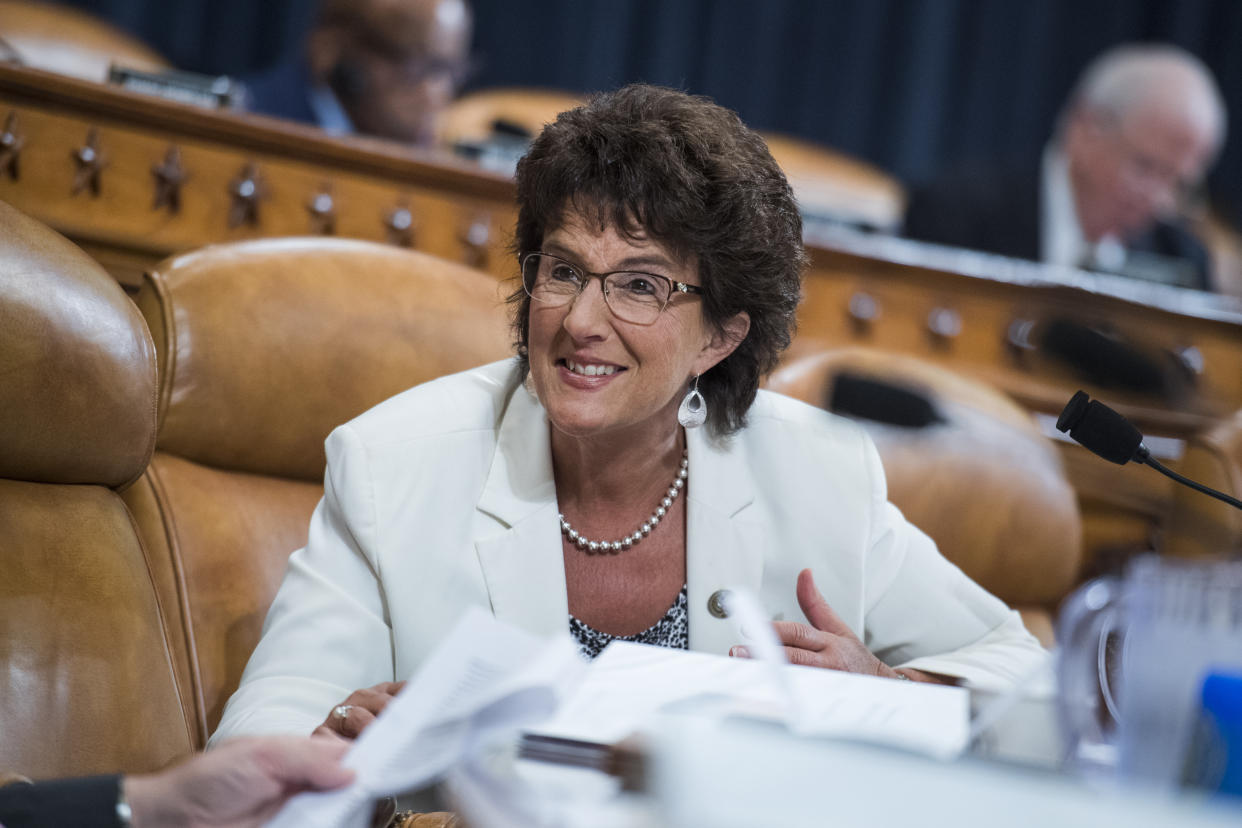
column 631, row 295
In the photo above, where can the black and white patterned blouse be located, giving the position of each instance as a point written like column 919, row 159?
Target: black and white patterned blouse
column 673, row 630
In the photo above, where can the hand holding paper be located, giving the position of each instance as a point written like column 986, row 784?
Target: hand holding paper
column 351, row 717
column 484, row 678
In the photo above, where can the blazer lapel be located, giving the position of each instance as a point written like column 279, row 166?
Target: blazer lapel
column 724, row 545
column 522, row 564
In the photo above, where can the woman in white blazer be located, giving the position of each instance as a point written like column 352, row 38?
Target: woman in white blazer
column 623, row 470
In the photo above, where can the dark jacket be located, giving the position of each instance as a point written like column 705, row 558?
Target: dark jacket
column 997, row 208
column 88, row 802
column 282, row 92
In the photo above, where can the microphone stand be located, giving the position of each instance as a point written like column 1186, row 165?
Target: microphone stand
column 1103, row 431
column 1142, row 455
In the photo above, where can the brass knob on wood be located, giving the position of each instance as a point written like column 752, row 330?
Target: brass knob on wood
column 1020, row 339
column 246, row 190
column 863, row 310
column 399, row 225
column 474, row 238
column 944, row 324
column 322, row 210
column 1192, row 359
column 11, row 143
column 90, row 162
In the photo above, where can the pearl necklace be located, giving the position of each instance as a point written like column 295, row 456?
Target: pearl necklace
column 613, row 547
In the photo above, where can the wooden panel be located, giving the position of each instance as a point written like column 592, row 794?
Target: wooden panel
column 978, row 300
column 884, row 292
column 456, row 211
column 956, row 308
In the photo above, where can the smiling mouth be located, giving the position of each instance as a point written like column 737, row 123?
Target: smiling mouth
column 590, row 369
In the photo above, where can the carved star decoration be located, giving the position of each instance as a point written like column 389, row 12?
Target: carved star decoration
column 322, row 209
column 399, row 223
column 11, row 144
column 474, row 238
column 246, row 190
column 169, row 176
column 90, row 163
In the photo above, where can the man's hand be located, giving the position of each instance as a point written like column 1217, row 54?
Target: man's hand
column 242, row 783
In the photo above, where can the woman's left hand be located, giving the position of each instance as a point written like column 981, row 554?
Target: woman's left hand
column 827, row 641
column 349, row 718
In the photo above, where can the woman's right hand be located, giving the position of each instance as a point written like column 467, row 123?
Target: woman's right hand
column 359, row 710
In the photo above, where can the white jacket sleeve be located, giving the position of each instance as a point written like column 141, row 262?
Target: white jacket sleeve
column 327, row 632
column 922, row 612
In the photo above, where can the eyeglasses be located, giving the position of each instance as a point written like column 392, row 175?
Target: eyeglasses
column 419, row 70
column 1152, row 174
column 632, row 295
column 415, row 66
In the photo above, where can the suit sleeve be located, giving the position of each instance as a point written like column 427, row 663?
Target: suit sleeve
column 327, row 632
column 921, row 611
column 88, row 802
column 1190, row 248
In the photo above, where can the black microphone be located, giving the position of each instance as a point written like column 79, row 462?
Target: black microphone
column 1104, row 431
column 1097, row 427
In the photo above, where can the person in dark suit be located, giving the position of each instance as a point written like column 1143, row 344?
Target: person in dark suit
column 1135, row 139
column 386, row 68
column 243, row 783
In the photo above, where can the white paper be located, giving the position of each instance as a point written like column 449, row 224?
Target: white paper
column 485, row 677
column 629, row 684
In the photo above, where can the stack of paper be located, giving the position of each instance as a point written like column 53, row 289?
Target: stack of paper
column 629, row 684
column 487, row 680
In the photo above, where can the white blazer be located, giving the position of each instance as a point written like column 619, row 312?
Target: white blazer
column 443, row 497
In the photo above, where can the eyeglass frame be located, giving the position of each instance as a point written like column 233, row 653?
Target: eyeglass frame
column 1146, row 171
column 677, row 287
column 414, row 66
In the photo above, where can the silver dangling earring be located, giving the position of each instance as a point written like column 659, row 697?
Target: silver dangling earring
column 693, row 410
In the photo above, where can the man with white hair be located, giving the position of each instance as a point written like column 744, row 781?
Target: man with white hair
column 1130, row 150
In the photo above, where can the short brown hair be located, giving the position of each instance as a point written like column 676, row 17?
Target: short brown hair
column 689, row 174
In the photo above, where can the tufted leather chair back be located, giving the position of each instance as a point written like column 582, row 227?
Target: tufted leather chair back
column 473, row 117
column 964, row 463
column 87, row 682
column 835, row 186
column 59, row 38
column 264, row 348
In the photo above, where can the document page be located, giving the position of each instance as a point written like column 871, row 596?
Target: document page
column 629, row 684
column 485, row 677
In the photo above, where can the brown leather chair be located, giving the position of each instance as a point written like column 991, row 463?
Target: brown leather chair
column 1199, row 526
column 1224, row 243
column 264, row 348
column 87, row 683
column 830, row 183
column 964, row 463
column 67, row 41
column 472, row 117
